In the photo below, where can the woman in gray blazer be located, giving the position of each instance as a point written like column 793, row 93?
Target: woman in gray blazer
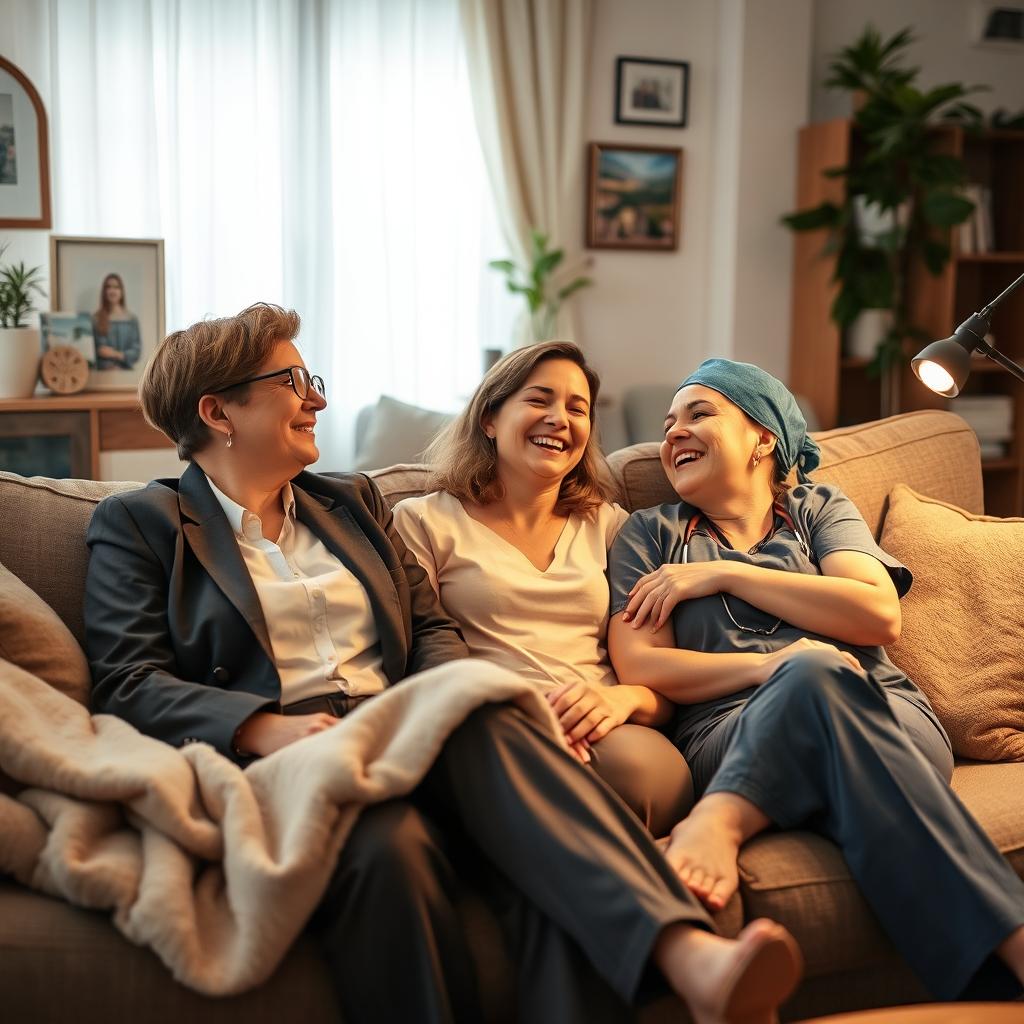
column 253, row 603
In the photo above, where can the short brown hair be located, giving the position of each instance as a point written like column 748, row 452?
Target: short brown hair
column 465, row 460
column 204, row 358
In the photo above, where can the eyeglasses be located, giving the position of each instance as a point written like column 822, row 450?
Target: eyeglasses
column 299, row 377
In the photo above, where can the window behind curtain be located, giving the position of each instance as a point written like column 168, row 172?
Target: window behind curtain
column 320, row 155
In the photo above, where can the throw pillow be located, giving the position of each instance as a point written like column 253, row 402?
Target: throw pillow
column 963, row 620
column 33, row 637
column 398, row 433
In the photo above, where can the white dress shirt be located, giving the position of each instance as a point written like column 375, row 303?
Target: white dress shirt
column 318, row 615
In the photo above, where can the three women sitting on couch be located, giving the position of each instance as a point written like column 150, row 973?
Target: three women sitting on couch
column 252, row 603
column 758, row 610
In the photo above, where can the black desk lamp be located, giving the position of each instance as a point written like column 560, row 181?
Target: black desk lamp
column 945, row 365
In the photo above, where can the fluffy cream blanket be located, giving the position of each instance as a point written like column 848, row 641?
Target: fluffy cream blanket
column 215, row 869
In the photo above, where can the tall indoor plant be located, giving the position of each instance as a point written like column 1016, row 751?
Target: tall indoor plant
column 19, row 343
column 901, row 195
column 543, row 283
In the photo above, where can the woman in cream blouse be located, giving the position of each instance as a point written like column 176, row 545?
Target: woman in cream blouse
column 514, row 539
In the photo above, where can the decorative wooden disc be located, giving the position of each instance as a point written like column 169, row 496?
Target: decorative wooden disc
column 64, row 370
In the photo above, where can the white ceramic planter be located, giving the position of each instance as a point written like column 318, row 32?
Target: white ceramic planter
column 864, row 334
column 19, row 361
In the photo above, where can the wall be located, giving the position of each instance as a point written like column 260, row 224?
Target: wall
column 944, row 52
column 654, row 316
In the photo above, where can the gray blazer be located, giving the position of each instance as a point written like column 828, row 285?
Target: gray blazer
column 175, row 634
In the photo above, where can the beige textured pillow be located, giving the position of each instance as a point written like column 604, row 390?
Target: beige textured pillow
column 33, row 637
column 963, row 620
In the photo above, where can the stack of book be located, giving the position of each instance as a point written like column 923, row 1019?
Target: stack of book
column 975, row 234
column 991, row 418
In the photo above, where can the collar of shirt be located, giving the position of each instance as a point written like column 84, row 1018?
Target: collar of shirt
column 247, row 525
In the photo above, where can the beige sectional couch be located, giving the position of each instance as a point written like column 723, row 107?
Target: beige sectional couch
column 59, row 962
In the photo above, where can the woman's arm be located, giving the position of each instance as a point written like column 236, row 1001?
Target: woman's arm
column 131, row 652
column 690, row 677
column 642, row 657
column 854, row 601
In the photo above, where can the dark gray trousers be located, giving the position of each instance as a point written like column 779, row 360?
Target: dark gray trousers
column 821, row 747
column 576, row 880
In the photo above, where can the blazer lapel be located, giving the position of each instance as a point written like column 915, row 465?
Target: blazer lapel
column 342, row 536
column 213, row 542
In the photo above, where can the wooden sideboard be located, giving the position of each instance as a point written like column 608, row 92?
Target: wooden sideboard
column 75, row 429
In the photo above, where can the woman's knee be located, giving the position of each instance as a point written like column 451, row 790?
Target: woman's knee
column 817, row 679
column 649, row 774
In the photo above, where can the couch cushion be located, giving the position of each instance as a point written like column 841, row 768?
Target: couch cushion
column 802, row 881
column 406, row 480
column 934, row 452
column 35, row 639
column 397, row 432
column 962, row 620
column 43, row 537
column 61, row 963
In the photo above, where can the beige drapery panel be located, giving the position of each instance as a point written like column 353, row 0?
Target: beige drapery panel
column 529, row 67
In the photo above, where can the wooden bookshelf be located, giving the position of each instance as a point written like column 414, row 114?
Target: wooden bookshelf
column 839, row 387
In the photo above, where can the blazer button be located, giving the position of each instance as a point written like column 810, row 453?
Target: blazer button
column 221, row 674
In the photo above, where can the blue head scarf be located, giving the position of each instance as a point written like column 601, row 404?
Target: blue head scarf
column 769, row 403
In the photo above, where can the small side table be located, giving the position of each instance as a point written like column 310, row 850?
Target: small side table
column 74, row 429
column 933, row 1013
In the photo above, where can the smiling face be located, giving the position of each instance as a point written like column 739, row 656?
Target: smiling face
column 113, row 293
column 541, row 431
column 708, row 447
column 274, row 429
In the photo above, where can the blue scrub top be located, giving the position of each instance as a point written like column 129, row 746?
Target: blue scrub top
column 826, row 519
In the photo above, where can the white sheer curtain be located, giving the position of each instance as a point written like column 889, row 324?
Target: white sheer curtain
column 318, row 154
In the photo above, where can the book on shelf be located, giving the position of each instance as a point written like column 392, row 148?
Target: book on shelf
column 975, row 233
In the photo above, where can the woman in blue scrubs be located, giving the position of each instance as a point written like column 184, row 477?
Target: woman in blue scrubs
column 763, row 611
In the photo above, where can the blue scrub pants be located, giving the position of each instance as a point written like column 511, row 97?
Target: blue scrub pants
column 823, row 747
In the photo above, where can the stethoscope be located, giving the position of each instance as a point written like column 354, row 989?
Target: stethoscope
column 715, row 534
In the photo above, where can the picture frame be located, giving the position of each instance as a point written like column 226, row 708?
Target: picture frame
column 24, row 152
column 634, row 197
column 119, row 284
column 652, row 92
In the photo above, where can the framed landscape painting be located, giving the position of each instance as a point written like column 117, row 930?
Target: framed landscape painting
column 634, row 196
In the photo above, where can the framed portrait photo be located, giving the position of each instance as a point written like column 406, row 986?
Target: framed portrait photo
column 118, row 283
column 651, row 92
column 24, row 153
column 634, row 196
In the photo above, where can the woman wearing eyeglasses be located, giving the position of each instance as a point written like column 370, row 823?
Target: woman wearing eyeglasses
column 253, row 603
column 762, row 610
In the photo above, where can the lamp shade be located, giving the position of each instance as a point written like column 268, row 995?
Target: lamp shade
column 943, row 366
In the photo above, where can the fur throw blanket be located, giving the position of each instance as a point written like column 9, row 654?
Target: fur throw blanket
column 216, row 869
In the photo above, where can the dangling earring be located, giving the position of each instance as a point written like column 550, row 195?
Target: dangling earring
column 230, row 436
column 756, row 458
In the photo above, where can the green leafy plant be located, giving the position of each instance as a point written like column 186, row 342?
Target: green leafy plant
column 541, row 284
column 17, row 283
column 897, row 174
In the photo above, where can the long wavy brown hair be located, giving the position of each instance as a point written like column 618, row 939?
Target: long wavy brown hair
column 464, row 458
column 101, row 317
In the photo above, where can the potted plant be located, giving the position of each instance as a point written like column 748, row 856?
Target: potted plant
column 901, row 195
column 19, row 343
column 540, row 283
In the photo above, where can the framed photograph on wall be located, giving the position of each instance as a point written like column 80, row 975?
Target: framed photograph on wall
column 633, row 197
column 119, row 284
column 653, row 92
column 24, row 153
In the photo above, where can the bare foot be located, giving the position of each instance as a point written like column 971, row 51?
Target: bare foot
column 703, row 849
column 731, row 982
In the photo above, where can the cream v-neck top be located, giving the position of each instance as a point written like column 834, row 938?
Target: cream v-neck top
column 549, row 626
